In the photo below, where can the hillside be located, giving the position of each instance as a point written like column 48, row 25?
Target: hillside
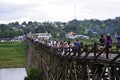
column 92, row 28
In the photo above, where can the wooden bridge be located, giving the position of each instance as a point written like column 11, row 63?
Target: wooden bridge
column 90, row 63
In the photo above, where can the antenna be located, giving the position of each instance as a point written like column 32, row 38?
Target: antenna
column 74, row 11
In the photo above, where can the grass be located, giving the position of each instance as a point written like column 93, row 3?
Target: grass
column 12, row 54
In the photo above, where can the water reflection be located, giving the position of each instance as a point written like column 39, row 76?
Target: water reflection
column 12, row 73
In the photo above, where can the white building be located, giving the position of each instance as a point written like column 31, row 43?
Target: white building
column 72, row 35
column 43, row 35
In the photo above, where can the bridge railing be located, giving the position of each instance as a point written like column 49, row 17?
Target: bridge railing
column 92, row 51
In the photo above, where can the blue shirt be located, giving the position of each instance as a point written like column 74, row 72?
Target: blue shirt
column 77, row 45
column 117, row 39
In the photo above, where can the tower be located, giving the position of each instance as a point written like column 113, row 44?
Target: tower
column 74, row 11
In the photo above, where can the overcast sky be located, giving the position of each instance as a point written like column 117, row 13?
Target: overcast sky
column 57, row 10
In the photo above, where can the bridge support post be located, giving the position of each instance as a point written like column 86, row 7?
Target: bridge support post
column 112, row 73
column 95, row 49
column 85, row 72
column 107, row 50
column 97, row 71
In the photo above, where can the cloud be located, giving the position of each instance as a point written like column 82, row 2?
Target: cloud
column 15, row 11
column 100, row 9
column 57, row 10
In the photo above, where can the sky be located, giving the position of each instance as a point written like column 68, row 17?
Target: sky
column 57, row 10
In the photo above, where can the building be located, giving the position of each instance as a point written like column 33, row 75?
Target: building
column 43, row 35
column 72, row 35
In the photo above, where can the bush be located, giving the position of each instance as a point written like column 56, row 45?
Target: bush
column 34, row 74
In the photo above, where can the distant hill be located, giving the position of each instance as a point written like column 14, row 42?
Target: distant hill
column 92, row 28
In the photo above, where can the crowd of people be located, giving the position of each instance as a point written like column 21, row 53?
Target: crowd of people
column 67, row 46
column 75, row 46
column 108, row 40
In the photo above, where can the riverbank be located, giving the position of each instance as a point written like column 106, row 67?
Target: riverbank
column 12, row 54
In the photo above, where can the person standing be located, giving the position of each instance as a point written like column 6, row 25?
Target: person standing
column 76, row 47
column 117, row 37
column 102, row 41
column 108, row 41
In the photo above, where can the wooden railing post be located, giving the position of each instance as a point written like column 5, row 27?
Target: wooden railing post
column 81, row 46
column 86, row 49
column 95, row 49
column 107, row 50
column 80, row 49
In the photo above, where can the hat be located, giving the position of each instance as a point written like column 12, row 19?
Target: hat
column 108, row 34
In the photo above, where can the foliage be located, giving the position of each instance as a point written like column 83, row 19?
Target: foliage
column 6, row 31
column 34, row 74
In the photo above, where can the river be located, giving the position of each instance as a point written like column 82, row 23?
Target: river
column 12, row 73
